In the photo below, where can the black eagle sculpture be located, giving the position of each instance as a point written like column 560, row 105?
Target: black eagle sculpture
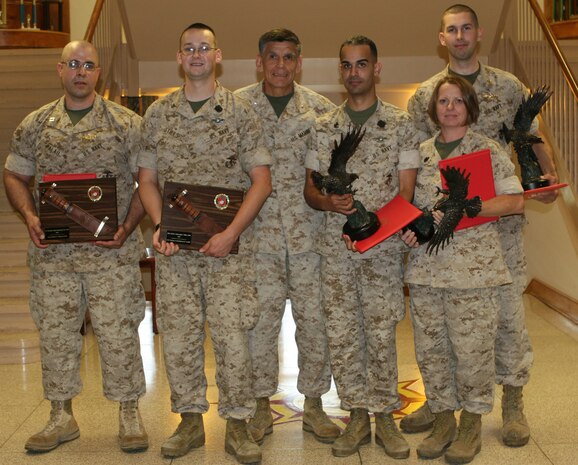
column 522, row 139
column 454, row 205
column 362, row 223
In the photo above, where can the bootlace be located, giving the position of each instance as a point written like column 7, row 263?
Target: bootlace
column 513, row 401
column 466, row 428
column 440, row 425
column 389, row 426
column 355, row 422
column 56, row 413
column 185, row 425
column 129, row 417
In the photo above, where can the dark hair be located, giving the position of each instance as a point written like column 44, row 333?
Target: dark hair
column 361, row 40
column 201, row 26
column 468, row 94
column 279, row 35
column 459, row 8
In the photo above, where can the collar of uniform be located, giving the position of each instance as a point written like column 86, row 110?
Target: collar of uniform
column 213, row 109
column 344, row 121
column 293, row 108
column 59, row 119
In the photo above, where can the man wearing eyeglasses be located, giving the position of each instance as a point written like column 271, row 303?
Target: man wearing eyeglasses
column 287, row 266
column 83, row 133
column 363, row 294
column 202, row 134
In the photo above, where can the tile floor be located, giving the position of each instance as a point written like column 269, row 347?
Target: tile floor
column 551, row 406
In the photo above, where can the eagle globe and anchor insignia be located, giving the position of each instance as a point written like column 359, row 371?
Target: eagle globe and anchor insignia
column 361, row 224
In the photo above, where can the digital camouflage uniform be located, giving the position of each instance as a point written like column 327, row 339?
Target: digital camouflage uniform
column 69, row 278
column 363, row 293
column 499, row 94
column 287, row 267
column 454, row 294
column 217, row 146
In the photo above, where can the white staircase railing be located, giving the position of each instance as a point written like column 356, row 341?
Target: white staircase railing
column 108, row 31
column 527, row 48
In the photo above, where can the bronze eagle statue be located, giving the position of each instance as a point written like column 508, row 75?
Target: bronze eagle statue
column 338, row 180
column 453, row 205
column 523, row 140
column 361, row 223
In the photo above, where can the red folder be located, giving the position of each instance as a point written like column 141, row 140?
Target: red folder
column 393, row 216
column 551, row 187
column 68, row 177
column 479, row 165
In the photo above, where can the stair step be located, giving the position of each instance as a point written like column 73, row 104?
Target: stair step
column 13, row 245
column 16, row 323
column 14, row 231
column 10, row 118
column 14, row 282
column 18, row 80
column 29, row 59
column 19, row 347
column 15, row 305
column 13, row 258
column 28, row 98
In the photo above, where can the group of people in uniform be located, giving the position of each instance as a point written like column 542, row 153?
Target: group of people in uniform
column 268, row 139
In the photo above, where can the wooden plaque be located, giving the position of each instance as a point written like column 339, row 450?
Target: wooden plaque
column 96, row 196
column 218, row 203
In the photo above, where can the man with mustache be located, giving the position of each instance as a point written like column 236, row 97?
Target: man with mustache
column 363, row 294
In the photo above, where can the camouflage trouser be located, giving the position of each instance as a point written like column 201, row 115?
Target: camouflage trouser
column 190, row 289
column 454, row 332
column 295, row 277
column 115, row 299
column 514, row 356
column 363, row 302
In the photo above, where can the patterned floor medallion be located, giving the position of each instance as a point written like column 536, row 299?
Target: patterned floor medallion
column 287, row 405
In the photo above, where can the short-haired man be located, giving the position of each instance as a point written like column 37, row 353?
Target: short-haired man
column 499, row 94
column 83, row 133
column 287, row 266
column 202, row 134
column 363, row 294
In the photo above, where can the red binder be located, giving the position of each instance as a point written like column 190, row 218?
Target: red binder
column 68, row 177
column 479, row 165
column 393, row 216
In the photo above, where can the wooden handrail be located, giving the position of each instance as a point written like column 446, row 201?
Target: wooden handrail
column 93, row 20
column 555, row 48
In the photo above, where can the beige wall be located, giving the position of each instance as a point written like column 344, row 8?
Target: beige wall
column 406, row 36
column 80, row 11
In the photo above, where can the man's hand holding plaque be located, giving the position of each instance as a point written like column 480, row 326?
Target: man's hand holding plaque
column 78, row 210
column 192, row 215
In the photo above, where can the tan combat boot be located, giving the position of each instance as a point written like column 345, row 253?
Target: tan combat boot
column 240, row 443
column 61, row 427
column 356, row 433
column 262, row 423
column 469, row 441
column 515, row 429
column 189, row 434
column 316, row 421
column 388, row 436
column 416, row 422
column 444, row 431
column 132, row 434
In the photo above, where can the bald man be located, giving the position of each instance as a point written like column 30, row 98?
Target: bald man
column 83, row 133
